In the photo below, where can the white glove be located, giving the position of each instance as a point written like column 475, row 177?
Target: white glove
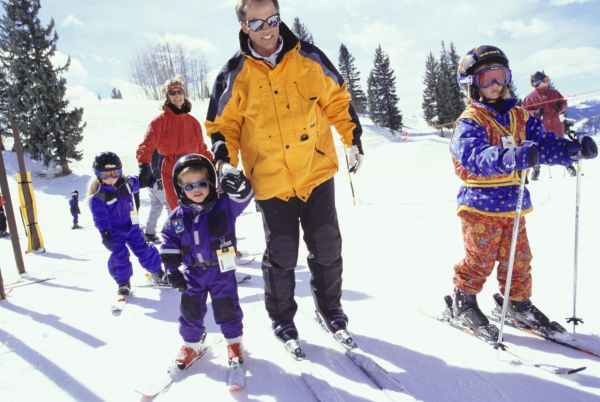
column 227, row 168
column 355, row 159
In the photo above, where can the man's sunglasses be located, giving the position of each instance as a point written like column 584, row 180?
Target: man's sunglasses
column 175, row 92
column 109, row 174
column 257, row 25
column 198, row 184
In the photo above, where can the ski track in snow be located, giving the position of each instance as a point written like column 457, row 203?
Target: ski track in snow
column 60, row 342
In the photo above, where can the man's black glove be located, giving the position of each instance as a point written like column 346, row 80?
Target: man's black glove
column 107, row 239
column 176, row 280
column 146, row 177
column 582, row 148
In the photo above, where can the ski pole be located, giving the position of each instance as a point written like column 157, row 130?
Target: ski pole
column 574, row 319
column 511, row 259
column 350, row 176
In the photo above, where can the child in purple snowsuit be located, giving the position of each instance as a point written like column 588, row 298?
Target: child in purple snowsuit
column 198, row 229
column 115, row 216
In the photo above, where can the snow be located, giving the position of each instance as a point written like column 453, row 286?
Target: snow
column 60, row 342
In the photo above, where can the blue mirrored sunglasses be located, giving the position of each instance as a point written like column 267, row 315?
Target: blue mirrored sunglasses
column 198, row 184
column 257, row 25
column 109, row 174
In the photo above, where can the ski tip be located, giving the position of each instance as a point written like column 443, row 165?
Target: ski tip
column 576, row 370
column 235, row 387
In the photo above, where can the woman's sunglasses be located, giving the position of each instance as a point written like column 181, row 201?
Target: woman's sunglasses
column 198, row 184
column 257, row 25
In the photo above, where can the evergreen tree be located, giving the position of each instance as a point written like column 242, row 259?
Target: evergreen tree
column 457, row 97
column 4, row 104
column 116, row 94
column 301, row 31
column 444, row 88
column 383, row 101
column 351, row 75
column 36, row 89
column 430, row 99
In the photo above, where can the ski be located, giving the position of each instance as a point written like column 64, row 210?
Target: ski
column 242, row 279
column 555, row 336
column 151, row 283
column 236, row 375
column 379, row 376
column 246, row 260
column 172, row 374
column 447, row 317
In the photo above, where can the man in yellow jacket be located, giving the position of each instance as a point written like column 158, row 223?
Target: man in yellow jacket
column 273, row 104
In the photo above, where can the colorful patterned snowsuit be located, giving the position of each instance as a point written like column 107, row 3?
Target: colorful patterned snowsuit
column 487, row 199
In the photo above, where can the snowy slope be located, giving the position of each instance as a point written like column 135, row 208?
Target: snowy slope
column 59, row 341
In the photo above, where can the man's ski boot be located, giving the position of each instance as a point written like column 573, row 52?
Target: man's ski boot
column 152, row 238
column 189, row 353
column 335, row 321
column 464, row 310
column 525, row 314
column 124, row 289
column 287, row 333
column 159, row 279
column 3, row 233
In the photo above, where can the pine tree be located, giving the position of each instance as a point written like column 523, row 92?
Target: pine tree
column 351, row 75
column 383, row 101
column 444, row 88
column 116, row 94
column 36, row 89
column 301, row 31
column 4, row 104
column 457, row 97
column 430, row 99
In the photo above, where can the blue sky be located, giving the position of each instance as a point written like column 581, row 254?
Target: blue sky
column 560, row 36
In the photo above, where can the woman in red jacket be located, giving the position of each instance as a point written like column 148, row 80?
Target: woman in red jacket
column 174, row 133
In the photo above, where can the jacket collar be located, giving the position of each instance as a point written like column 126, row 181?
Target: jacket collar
column 289, row 42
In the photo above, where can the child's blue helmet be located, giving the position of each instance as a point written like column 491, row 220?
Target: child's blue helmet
column 106, row 161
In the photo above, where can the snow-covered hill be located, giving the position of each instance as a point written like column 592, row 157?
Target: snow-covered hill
column 60, row 342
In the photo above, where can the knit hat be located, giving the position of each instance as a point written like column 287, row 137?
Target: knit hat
column 173, row 83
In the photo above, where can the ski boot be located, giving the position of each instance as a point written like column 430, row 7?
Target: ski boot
column 189, row 352
column 335, row 321
column 527, row 315
column 159, row 279
column 124, row 289
column 152, row 238
column 535, row 174
column 3, row 233
column 465, row 311
column 287, row 333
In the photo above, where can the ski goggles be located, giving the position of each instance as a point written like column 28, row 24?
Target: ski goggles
column 257, row 25
column 109, row 174
column 175, row 92
column 498, row 74
column 199, row 184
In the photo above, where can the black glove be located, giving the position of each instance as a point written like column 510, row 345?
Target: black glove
column 107, row 239
column 176, row 280
column 558, row 107
column 146, row 177
column 583, row 148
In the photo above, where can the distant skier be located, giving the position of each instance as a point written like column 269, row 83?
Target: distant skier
column 547, row 104
column 493, row 141
column 111, row 202
column 156, row 194
column 174, row 133
column 208, row 258
column 3, row 232
column 74, row 208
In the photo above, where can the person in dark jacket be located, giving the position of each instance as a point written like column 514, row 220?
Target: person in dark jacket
column 200, row 235
column 156, row 194
column 111, row 201
column 3, row 232
column 74, row 208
